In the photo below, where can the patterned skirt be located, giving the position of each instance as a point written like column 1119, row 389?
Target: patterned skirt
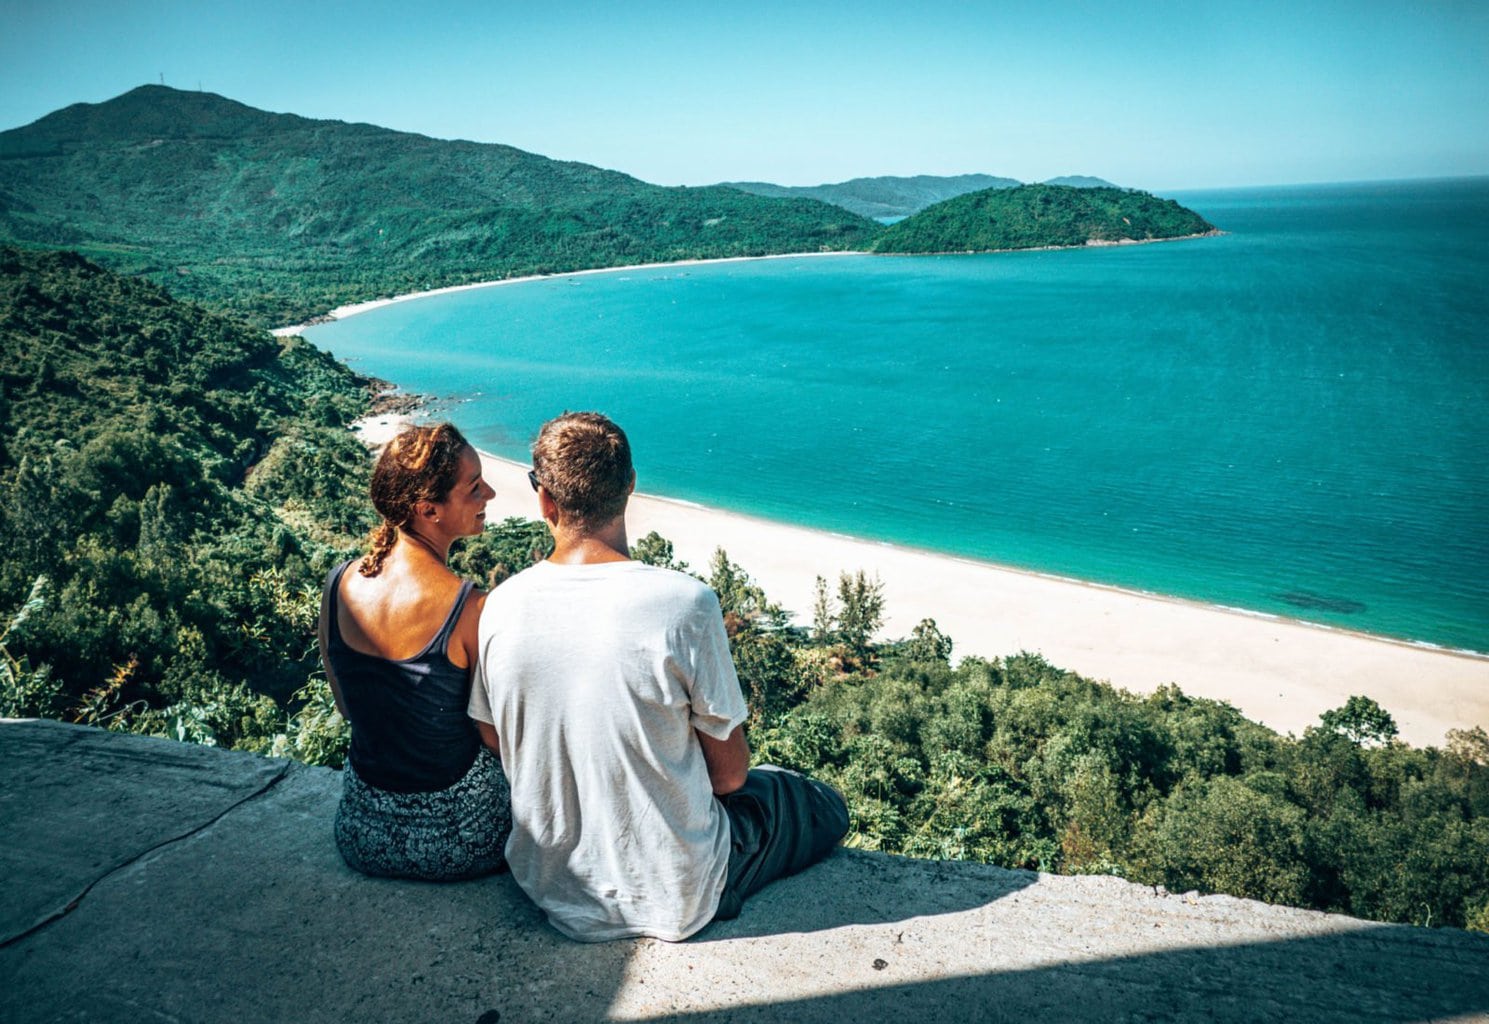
column 442, row 836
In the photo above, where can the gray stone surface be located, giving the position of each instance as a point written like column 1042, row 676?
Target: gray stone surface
column 211, row 891
column 78, row 803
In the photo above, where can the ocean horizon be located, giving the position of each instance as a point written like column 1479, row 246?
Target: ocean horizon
column 1285, row 419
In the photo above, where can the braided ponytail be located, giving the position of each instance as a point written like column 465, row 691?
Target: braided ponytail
column 379, row 543
column 420, row 464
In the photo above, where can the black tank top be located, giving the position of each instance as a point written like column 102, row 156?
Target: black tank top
column 410, row 732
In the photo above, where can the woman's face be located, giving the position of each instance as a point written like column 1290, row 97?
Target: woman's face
column 463, row 510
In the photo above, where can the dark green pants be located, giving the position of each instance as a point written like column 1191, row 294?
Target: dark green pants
column 779, row 823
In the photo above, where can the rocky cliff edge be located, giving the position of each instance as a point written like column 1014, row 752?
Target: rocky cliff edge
column 147, row 880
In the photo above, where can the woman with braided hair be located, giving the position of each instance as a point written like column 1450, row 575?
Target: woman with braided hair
column 422, row 797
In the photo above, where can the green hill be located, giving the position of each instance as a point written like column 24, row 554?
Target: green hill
column 1035, row 216
column 172, row 483
column 281, row 217
column 883, row 196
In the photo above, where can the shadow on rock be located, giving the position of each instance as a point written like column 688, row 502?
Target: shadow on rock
column 855, row 887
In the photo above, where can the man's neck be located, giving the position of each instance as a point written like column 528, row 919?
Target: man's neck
column 589, row 547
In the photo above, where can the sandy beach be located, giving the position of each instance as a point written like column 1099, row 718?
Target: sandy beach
column 342, row 312
column 1278, row 671
column 352, row 309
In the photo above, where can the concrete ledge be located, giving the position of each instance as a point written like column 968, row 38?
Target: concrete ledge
column 150, row 881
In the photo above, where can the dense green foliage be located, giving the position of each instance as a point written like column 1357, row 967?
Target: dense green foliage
column 883, row 196
column 503, row 549
column 280, row 217
column 172, row 487
column 1015, row 762
column 1034, row 216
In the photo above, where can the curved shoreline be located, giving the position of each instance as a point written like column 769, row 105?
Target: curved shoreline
column 352, row 309
column 1281, row 671
column 1090, row 243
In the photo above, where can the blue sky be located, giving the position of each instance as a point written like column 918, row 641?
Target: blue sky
column 1153, row 95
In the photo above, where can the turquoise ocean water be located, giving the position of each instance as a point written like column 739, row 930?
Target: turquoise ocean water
column 1290, row 418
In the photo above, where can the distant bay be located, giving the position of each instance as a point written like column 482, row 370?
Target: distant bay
column 1289, row 418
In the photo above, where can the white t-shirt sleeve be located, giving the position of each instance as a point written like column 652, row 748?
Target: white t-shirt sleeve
column 479, row 707
column 718, row 705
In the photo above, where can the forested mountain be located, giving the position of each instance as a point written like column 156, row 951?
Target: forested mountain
column 883, row 196
column 281, row 217
column 1034, row 216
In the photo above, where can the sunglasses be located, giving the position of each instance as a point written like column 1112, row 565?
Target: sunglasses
column 532, row 478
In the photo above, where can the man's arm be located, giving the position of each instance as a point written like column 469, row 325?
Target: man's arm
column 728, row 760
column 717, row 701
column 488, row 736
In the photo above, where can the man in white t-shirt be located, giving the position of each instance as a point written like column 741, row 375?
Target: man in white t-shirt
column 607, row 687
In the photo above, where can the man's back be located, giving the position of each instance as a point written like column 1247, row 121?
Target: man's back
column 595, row 676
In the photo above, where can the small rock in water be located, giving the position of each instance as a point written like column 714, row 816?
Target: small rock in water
column 1321, row 602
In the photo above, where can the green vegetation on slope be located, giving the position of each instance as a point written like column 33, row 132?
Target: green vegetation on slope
column 1018, row 763
column 1034, row 216
column 883, row 196
column 279, row 217
column 173, row 488
column 172, row 484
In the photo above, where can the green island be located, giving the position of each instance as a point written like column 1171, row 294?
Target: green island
column 1040, row 216
column 174, row 484
column 278, row 218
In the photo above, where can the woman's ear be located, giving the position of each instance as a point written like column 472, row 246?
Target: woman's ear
column 426, row 511
column 632, row 489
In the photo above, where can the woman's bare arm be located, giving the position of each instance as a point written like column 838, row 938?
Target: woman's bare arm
column 470, row 640
column 324, row 635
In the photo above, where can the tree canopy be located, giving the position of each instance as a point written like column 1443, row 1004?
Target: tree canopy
column 173, row 485
column 1035, row 216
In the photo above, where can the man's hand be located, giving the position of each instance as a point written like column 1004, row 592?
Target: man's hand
column 488, row 736
column 728, row 760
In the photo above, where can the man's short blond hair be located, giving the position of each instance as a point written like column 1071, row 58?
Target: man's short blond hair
column 583, row 461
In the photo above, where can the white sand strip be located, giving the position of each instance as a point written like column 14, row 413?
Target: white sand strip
column 342, row 312
column 1281, row 672
column 352, row 309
